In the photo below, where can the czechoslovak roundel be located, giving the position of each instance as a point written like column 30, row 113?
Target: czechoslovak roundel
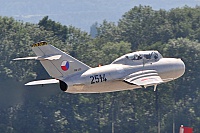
column 65, row 65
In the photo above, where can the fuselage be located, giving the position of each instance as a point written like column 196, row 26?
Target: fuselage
column 133, row 70
column 109, row 78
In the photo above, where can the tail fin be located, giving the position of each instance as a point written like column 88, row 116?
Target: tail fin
column 56, row 62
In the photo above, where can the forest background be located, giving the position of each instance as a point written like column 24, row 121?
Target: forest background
column 174, row 33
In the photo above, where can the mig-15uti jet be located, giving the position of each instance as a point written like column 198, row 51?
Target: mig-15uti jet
column 134, row 70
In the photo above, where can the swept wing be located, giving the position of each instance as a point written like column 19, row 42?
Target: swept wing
column 43, row 82
column 144, row 78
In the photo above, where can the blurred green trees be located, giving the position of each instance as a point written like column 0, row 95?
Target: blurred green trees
column 174, row 33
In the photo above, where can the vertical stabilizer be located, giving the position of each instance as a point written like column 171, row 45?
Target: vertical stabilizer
column 56, row 62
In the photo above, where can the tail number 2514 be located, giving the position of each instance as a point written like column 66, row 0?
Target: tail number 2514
column 98, row 78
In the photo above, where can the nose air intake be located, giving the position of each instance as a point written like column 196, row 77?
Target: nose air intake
column 180, row 67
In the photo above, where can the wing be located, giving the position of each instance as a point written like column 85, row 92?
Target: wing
column 144, row 78
column 43, row 82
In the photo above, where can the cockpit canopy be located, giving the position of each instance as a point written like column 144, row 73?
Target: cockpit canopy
column 140, row 57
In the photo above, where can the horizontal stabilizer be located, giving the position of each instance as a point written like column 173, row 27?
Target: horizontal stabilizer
column 53, row 57
column 144, row 78
column 43, row 82
column 26, row 58
column 49, row 57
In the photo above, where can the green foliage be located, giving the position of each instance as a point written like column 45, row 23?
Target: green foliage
column 138, row 25
column 174, row 33
column 144, row 26
column 108, row 32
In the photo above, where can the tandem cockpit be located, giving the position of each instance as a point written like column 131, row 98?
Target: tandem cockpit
column 138, row 58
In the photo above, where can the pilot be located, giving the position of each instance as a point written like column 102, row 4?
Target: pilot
column 137, row 57
column 147, row 56
column 155, row 55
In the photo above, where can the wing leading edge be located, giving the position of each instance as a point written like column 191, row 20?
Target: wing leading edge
column 144, row 78
column 43, row 82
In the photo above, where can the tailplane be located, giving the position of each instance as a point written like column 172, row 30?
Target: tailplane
column 56, row 62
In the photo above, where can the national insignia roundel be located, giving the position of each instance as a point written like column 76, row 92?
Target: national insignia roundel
column 65, row 65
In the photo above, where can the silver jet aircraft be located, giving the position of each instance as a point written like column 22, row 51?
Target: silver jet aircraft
column 134, row 70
